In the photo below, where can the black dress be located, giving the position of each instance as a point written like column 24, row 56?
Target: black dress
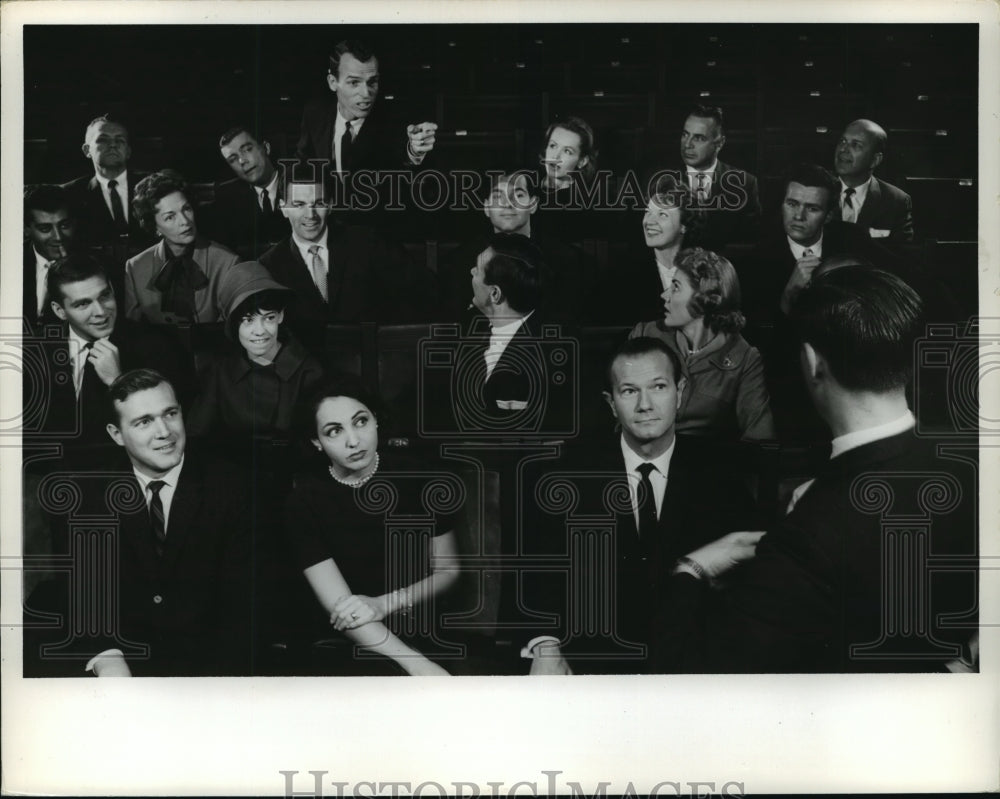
column 380, row 536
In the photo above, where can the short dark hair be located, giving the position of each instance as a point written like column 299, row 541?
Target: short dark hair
column 269, row 300
column 517, row 267
column 46, row 197
column 815, row 176
column 588, row 143
column 513, row 173
column 716, row 288
column 105, row 118
column 641, row 345
column 236, row 130
column 129, row 383
column 153, row 188
column 669, row 189
column 305, row 173
column 74, row 268
column 334, row 384
column 360, row 50
column 864, row 322
column 712, row 112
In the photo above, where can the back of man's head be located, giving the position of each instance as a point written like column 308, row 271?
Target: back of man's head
column 74, row 268
column 517, row 267
column 864, row 323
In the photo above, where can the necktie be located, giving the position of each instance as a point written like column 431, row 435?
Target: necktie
column 87, row 375
column 41, row 295
column 318, row 276
column 346, row 142
column 117, row 211
column 157, row 522
column 701, row 190
column 807, row 253
column 647, row 503
column 265, row 203
column 849, row 214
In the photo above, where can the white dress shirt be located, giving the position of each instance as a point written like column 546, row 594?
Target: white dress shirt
column 272, row 192
column 324, row 254
column 858, row 438
column 798, row 250
column 76, row 344
column 500, row 336
column 166, row 493
column 857, row 200
column 339, row 127
column 657, row 477
column 121, row 188
column 41, row 273
column 708, row 172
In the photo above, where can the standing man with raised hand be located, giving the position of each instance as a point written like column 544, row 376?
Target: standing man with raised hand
column 350, row 132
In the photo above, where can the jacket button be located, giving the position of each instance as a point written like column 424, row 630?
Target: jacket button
column 157, row 599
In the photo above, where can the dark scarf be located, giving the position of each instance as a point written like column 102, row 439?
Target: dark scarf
column 177, row 282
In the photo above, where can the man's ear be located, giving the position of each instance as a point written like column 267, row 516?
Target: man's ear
column 812, row 362
column 116, row 434
column 86, row 150
column 722, row 143
column 57, row 309
column 283, row 208
column 681, row 385
column 831, row 215
column 267, row 147
column 611, row 402
column 876, row 160
column 331, row 81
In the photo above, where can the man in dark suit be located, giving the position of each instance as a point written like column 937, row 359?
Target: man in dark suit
column 49, row 233
column 342, row 273
column 874, row 566
column 245, row 214
column 67, row 391
column 181, row 582
column 727, row 194
column 635, row 502
column 512, row 201
column 878, row 208
column 104, row 200
column 786, row 256
column 348, row 132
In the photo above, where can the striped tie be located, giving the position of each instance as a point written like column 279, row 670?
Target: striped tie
column 156, row 519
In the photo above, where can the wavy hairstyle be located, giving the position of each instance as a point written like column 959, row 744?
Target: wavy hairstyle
column 153, row 188
column 588, row 145
column 716, row 287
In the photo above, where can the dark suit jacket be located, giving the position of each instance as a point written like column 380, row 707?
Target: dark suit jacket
column 234, row 218
column 98, row 227
column 59, row 417
column 887, row 208
column 370, row 280
column 853, row 580
column 764, row 272
column 187, row 613
column 582, row 506
column 30, row 297
column 375, row 147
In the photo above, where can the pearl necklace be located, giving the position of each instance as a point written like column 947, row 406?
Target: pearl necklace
column 360, row 481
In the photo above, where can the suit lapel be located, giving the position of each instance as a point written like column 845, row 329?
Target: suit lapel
column 137, row 535
column 869, row 209
column 184, row 511
column 97, row 194
column 302, row 275
column 338, row 260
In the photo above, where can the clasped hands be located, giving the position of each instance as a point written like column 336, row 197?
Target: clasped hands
column 354, row 610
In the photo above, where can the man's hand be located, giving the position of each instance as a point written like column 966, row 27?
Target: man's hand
column 356, row 609
column 107, row 364
column 112, row 665
column 421, row 140
column 721, row 555
column 799, row 279
column 548, row 659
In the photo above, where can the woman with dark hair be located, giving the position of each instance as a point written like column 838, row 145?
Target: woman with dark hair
column 254, row 385
column 567, row 207
column 724, row 395
column 176, row 281
column 367, row 573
